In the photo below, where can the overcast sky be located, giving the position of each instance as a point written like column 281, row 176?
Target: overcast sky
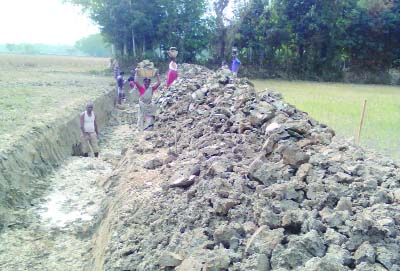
column 42, row 21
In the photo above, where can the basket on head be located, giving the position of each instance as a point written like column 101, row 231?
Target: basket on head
column 146, row 69
column 147, row 73
column 172, row 52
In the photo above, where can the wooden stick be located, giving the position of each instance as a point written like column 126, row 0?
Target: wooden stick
column 361, row 122
column 176, row 143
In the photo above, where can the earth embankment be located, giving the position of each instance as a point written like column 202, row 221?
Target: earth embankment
column 235, row 180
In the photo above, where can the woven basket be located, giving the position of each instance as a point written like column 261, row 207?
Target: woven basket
column 146, row 73
column 172, row 52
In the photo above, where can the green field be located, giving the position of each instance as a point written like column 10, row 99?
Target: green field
column 340, row 106
column 36, row 90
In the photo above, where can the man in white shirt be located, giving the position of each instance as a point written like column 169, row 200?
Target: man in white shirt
column 89, row 130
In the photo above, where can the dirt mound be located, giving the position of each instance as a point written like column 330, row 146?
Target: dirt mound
column 234, row 180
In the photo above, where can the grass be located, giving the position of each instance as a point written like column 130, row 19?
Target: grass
column 36, row 90
column 340, row 105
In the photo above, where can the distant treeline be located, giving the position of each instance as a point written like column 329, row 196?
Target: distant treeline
column 92, row 45
column 306, row 39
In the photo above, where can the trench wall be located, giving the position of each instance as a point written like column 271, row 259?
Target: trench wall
column 23, row 165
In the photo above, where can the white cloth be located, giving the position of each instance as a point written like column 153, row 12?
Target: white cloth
column 171, row 66
column 88, row 124
column 147, row 109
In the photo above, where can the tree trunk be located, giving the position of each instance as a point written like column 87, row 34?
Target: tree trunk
column 144, row 46
column 125, row 49
column 133, row 45
column 222, row 44
column 112, row 49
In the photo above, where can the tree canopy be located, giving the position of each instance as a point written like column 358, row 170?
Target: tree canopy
column 308, row 39
column 93, row 45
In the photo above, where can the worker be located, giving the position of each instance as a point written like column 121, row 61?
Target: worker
column 90, row 133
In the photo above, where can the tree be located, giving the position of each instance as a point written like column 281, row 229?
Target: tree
column 221, row 28
column 93, row 45
column 137, row 27
column 11, row 47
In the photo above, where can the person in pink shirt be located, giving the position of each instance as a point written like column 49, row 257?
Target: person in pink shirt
column 173, row 67
column 147, row 109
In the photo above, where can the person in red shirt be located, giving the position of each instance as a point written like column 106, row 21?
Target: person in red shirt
column 147, row 109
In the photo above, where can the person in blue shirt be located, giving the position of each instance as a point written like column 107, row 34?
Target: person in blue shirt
column 120, row 87
column 235, row 64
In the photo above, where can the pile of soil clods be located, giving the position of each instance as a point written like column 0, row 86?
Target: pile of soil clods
column 249, row 182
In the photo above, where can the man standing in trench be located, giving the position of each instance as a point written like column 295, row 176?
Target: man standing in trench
column 89, row 130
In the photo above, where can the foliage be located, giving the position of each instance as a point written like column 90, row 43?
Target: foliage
column 317, row 39
column 39, row 49
column 305, row 39
column 93, row 45
column 138, row 26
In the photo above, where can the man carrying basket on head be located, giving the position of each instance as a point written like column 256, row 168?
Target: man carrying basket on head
column 173, row 67
column 147, row 109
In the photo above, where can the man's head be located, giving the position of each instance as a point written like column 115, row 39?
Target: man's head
column 89, row 106
column 146, row 82
column 234, row 54
column 121, row 73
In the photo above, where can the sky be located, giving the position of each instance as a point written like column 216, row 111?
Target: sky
column 43, row 21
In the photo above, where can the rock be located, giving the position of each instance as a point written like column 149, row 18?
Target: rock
column 344, row 204
column 182, row 182
column 218, row 260
column 312, row 242
column 195, row 170
column 255, row 262
column 271, row 127
column 369, row 267
column 249, row 227
column 211, row 151
column 222, row 206
column 224, row 235
column 153, row 163
column 388, row 256
column 319, row 264
column 299, row 126
column 264, row 241
column 289, row 258
column 261, row 172
column 169, row 259
column 303, row 171
column 342, row 177
column 304, row 142
column 263, row 263
column 396, row 195
column 365, row 253
column 190, row 264
column 292, row 155
column 337, row 254
column 333, row 237
column 270, row 144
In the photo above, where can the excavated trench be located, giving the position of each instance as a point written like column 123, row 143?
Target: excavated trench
column 24, row 164
column 51, row 198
